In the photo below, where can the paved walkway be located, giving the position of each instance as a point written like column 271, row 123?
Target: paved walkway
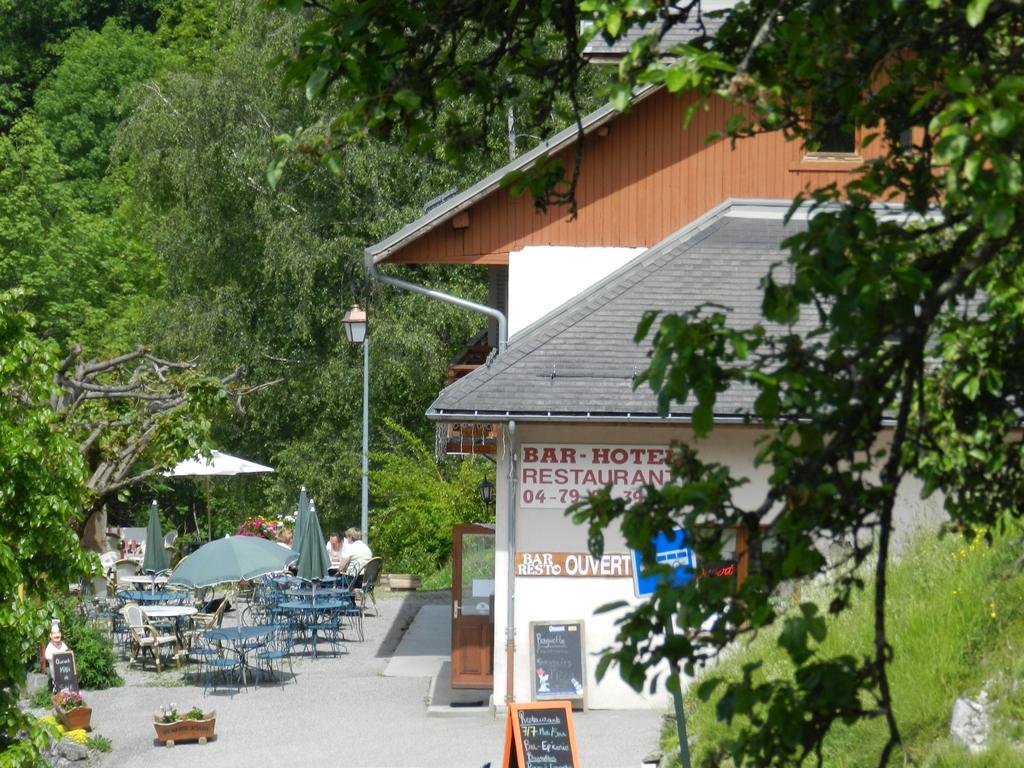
column 364, row 709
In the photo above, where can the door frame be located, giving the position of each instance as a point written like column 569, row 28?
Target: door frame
column 479, row 629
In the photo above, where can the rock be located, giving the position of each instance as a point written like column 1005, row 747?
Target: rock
column 971, row 723
column 71, row 751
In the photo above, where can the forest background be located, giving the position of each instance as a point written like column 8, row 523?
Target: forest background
column 135, row 209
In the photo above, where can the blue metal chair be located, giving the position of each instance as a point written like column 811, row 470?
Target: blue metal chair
column 216, row 660
column 275, row 651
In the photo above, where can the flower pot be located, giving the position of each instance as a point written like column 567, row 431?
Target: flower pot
column 73, row 719
column 185, row 730
column 402, row 581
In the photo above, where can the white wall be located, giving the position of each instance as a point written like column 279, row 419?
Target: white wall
column 543, row 277
column 548, row 530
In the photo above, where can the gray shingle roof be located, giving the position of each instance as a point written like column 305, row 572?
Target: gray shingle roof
column 579, row 361
column 712, row 17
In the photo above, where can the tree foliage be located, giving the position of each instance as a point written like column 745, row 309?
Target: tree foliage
column 42, row 484
column 418, row 500
column 913, row 366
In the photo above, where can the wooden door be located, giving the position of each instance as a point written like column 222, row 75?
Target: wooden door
column 472, row 606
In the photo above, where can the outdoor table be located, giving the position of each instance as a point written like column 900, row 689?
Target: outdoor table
column 176, row 612
column 147, row 581
column 324, row 592
column 238, row 637
column 145, row 596
column 309, row 608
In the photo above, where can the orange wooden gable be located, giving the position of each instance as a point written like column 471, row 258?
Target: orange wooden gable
column 643, row 176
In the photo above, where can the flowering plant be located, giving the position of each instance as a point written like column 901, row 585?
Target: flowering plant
column 258, row 526
column 170, row 714
column 68, row 700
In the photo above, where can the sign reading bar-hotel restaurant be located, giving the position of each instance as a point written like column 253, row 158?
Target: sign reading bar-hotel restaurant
column 559, row 475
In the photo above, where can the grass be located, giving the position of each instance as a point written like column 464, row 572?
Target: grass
column 42, row 698
column 99, row 743
column 956, row 621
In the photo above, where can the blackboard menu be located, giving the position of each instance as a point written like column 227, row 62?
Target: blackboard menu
column 540, row 735
column 557, row 660
column 62, row 667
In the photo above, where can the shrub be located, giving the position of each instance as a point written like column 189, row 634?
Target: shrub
column 418, row 500
column 94, row 654
column 41, row 698
column 99, row 743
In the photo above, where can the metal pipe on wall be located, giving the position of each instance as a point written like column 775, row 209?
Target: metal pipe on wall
column 510, row 619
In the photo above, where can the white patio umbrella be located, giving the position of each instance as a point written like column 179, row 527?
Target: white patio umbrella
column 218, row 465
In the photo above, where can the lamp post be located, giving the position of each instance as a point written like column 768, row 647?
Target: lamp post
column 355, row 322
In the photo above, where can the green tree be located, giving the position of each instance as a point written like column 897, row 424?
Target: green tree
column 84, row 274
column 419, row 500
column 914, row 364
column 42, row 485
column 31, row 35
column 260, row 276
column 84, row 98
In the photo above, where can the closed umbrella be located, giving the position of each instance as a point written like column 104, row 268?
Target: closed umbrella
column 156, row 557
column 313, row 561
column 232, row 558
column 300, row 519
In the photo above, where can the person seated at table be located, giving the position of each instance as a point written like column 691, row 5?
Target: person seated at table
column 334, row 549
column 284, row 537
column 355, row 554
column 56, row 645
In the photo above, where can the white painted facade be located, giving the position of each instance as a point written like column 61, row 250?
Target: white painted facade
column 543, row 277
column 546, row 529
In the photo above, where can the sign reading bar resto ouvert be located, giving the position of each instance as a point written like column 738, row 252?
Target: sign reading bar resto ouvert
column 559, row 475
column 578, row 564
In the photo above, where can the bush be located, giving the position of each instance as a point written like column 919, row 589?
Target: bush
column 418, row 500
column 94, row 654
column 41, row 698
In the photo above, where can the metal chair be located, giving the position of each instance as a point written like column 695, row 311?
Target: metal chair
column 367, row 581
column 215, row 659
column 145, row 637
column 275, row 651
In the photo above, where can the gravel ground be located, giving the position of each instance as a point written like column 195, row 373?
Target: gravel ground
column 339, row 711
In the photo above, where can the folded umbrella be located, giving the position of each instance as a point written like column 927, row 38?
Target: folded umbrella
column 156, row 557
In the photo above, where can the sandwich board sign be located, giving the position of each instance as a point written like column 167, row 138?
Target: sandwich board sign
column 669, row 549
column 62, row 667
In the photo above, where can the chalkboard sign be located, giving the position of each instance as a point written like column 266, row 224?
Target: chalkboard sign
column 540, row 735
column 557, row 662
column 62, row 667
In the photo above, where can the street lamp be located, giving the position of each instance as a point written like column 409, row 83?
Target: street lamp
column 486, row 489
column 355, row 331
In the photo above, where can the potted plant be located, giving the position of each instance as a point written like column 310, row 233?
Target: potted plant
column 193, row 725
column 71, row 710
column 403, row 581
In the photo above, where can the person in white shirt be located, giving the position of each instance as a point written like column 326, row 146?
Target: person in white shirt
column 334, row 549
column 355, row 554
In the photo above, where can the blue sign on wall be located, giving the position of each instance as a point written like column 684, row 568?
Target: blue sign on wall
column 669, row 549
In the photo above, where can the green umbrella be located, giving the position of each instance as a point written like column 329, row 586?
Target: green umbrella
column 300, row 519
column 232, row 558
column 313, row 561
column 156, row 557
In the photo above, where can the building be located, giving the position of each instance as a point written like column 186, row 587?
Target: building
column 665, row 221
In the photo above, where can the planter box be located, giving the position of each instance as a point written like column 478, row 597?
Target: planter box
column 402, row 581
column 73, row 719
column 185, row 730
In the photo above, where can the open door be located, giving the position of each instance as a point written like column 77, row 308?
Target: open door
column 472, row 606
